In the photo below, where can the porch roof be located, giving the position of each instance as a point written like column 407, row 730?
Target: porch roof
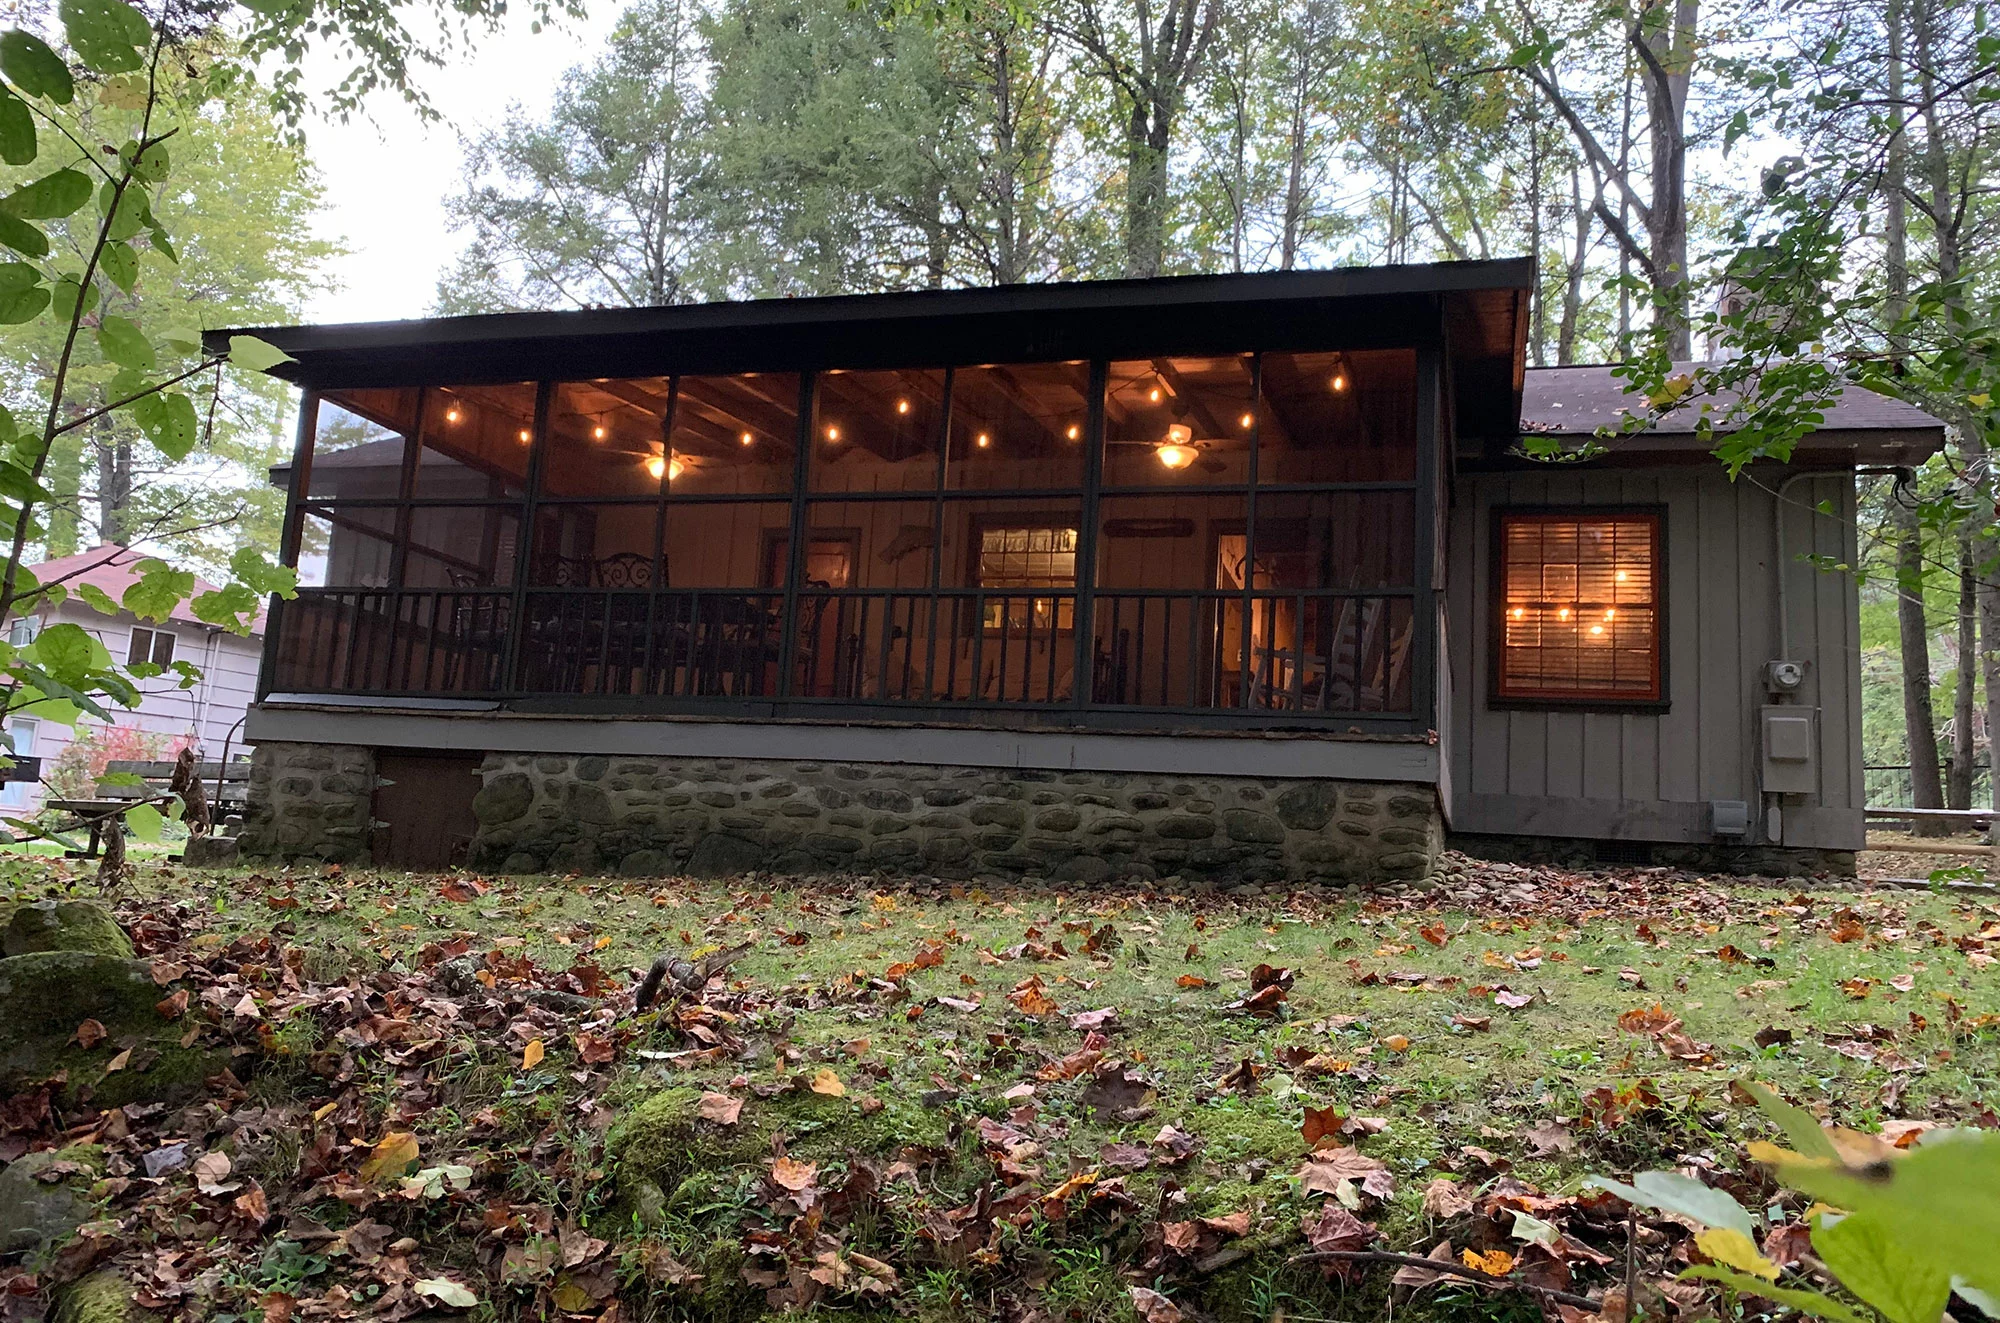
column 1477, row 308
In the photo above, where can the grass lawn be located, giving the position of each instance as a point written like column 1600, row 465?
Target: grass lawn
column 963, row 1103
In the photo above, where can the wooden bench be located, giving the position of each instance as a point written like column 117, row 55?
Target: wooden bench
column 227, row 787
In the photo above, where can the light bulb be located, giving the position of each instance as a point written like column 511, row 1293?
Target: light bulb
column 526, row 436
column 1154, row 395
column 1074, row 432
column 599, row 432
column 1246, row 420
column 1520, row 611
column 1620, row 576
column 1340, row 381
column 1596, row 629
column 451, row 415
column 833, row 434
column 984, row 441
column 1175, row 456
column 1563, row 614
column 1611, row 614
column 657, row 466
column 902, row 406
column 746, row 438
column 662, row 466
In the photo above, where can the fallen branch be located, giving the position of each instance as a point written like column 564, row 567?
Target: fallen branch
column 1450, row 1269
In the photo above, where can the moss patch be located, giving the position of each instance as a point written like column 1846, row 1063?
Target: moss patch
column 101, row 1297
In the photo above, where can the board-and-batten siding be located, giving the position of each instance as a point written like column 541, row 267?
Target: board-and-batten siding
column 1648, row 776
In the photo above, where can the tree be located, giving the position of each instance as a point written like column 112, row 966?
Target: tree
column 1150, row 59
column 595, row 204
column 240, row 202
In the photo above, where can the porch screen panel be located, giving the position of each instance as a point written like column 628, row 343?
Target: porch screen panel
column 1579, row 607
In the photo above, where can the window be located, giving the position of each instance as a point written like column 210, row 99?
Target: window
column 23, row 630
column 1017, row 557
column 1580, row 607
column 150, row 646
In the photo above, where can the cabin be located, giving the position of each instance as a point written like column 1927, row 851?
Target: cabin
column 1227, row 578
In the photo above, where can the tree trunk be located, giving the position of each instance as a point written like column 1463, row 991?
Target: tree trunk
column 1918, row 721
column 1145, row 193
column 1579, row 256
column 1669, row 42
column 1963, row 745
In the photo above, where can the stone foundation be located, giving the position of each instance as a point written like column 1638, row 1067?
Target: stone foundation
column 1698, row 857
column 645, row 817
column 309, row 801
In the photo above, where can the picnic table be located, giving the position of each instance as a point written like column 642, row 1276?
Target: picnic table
column 227, row 787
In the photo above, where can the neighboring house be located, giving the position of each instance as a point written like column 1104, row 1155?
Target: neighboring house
column 204, row 713
column 1236, row 577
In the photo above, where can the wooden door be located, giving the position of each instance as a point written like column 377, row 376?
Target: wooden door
column 425, row 802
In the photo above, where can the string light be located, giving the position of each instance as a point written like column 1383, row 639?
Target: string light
column 1520, row 611
column 1620, row 576
column 902, row 406
column 1339, row 382
column 833, row 434
column 526, row 436
column 984, row 441
column 746, row 438
column 451, row 415
column 1074, row 432
column 1154, row 395
column 1596, row 629
column 1246, row 420
column 1563, row 614
column 599, row 432
column 1611, row 614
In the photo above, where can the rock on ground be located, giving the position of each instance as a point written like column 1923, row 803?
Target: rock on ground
column 46, row 995
column 61, row 925
column 101, row 1297
column 35, row 1212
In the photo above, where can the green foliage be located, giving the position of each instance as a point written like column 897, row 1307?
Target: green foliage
column 80, row 289
column 1913, row 1228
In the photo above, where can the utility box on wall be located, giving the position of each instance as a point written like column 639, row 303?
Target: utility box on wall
column 1789, row 739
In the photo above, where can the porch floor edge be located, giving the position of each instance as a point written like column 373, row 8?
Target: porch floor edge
column 1263, row 754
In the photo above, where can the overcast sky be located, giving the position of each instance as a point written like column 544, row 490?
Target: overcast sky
column 386, row 181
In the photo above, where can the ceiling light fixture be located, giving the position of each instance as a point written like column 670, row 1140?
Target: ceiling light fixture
column 1177, row 451
column 663, row 466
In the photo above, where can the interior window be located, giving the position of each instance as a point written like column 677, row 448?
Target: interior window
column 1579, row 608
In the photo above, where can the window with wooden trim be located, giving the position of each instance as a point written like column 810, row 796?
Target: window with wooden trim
column 1580, row 607
column 150, row 647
column 1014, row 558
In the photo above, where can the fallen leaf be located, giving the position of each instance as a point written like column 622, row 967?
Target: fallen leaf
column 824, row 1081
column 531, row 1055
column 721, row 1108
column 172, row 1007
column 1152, row 1307
column 89, row 1034
column 1445, row 1199
column 446, row 1292
column 389, row 1159
column 1494, row 1263
column 1413, row 1276
column 791, row 1174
